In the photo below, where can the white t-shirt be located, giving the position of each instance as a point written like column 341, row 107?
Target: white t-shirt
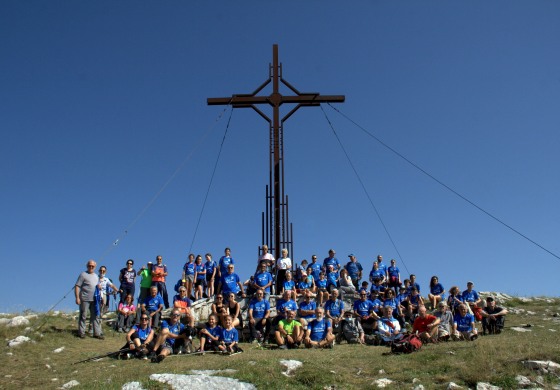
column 284, row 263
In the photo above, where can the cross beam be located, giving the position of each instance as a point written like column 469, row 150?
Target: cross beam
column 279, row 234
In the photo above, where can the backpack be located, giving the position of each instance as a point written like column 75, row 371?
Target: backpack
column 408, row 344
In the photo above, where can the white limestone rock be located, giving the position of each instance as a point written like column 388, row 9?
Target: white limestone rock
column 486, row 386
column 18, row 321
column 70, row 384
column 291, row 366
column 18, row 341
column 523, row 381
column 453, row 386
column 201, row 382
column 383, row 382
column 541, row 365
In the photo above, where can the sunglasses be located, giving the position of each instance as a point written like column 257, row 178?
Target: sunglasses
column 144, row 319
column 176, row 315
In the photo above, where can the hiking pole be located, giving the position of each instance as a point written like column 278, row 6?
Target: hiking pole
column 124, row 350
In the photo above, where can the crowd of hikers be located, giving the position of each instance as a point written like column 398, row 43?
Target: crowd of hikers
column 311, row 302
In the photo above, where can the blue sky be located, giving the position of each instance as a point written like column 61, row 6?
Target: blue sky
column 101, row 102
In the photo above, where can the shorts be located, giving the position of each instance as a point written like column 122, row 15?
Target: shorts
column 200, row 282
column 189, row 278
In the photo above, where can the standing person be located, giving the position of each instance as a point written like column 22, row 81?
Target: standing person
column 199, row 278
column 145, row 274
column 268, row 258
column 283, row 264
column 159, row 272
column 127, row 277
column 382, row 266
column 316, row 267
column 331, row 260
column 188, row 275
column 355, row 270
column 376, row 273
column 211, row 282
column 106, row 288
column 394, row 275
column 84, row 291
column 224, row 262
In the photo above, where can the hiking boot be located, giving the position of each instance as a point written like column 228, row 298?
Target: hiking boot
column 99, row 337
column 283, row 346
column 474, row 337
column 82, row 336
column 158, row 359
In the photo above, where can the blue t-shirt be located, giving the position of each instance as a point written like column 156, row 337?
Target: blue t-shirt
column 393, row 271
column 230, row 283
column 414, row 285
column 470, row 296
column 142, row 333
column 215, row 331
column 382, row 267
column 437, row 289
column 200, row 272
column 353, row 269
column 210, row 265
column 316, row 267
column 152, row 303
column 332, row 278
column 321, row 283
column 319, row 329
column 363, row 308
column 189, row 268
column 262, row 279
column 282, row 305
column 311, row 305
column 376, row 304
column 331, row 261
column 376, row 274
column 304, row 284
column 393, row 302
column 175, row 329
column 335, row 308
column 259, row 308
column 289, row 285
column 224, row 262
column 229, row 336
column 464, row 323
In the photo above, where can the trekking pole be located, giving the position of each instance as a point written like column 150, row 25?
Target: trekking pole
column 124, row 350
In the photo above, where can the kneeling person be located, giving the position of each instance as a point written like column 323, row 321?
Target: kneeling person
column 139, row 338
column 319, row 331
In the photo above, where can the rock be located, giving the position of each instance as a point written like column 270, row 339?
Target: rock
column 132, row 386
column 18, row 321
column 58, row 350
column 541, row 365
column 415, row 380
column 453, row 386
column 382, row 372
column 70, row 384
column 531, row 313
column 418, row 387
column 523, row 381
column 518, row 329
column 291, row 366
column 4, row 321
column 18, row 340
column 383, row 382
column 486, row 386
column 201, row 382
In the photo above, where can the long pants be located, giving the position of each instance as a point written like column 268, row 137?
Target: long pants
column 258, row 326
column 125, row 321
column 126, row 290
column 84, row 307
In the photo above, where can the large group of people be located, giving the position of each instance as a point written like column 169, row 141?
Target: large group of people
column 310, row 305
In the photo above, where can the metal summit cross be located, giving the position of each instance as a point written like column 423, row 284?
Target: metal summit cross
column 275, row 232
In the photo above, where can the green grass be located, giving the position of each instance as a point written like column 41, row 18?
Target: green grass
column 493, row 359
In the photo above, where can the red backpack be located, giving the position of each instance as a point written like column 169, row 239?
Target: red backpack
column 408, row 344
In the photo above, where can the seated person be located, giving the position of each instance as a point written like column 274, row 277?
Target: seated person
column 493, row 317
column 363, row 310
column 306, row 311
column 259, row 324
column 282, row 306
column 378, row 287
column 171, row 340
column 306, row 283
column 290, row 332
column 364, row 287
column 402, row 299
column 183, row 304
column 153, row 306
column 437, row 292
column 319, row 331
column 334, row 309
column 415, row 300
column 346, row 284
column 445, row 321
column 351, row 329
column 388, row 327
column 229, row 339
column 126, row 313
column 463, row 325
column 392, row 301
column 454, row 299
column 139, row 338
column 377, row 303
column 289, row 285
column 230, row 282
column 425, row 325
column 210, row 335
column 234, row 310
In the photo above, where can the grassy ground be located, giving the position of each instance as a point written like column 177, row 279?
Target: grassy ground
column 493, row 359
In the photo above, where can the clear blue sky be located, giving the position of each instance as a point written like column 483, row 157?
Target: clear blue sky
column 100, row 102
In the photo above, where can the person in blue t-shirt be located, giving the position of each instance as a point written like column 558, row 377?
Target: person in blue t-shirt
column 412, row 283
column 230, row 338
column 171, row 339
column 210, row 335
column 211, row 280
column 470, row 296
column 306, row 311
column 363, row 310
column 463, row 325
column 332, row 278
column 284, row 305
column 394, row 275
column 258, row 314
column 322, row 293
column 319, row 331
column 377, row 273
column 334, row 309
column 199, row 278
column 437, row 292
column 454, row 299
column 188, row 275
column 289, row 285
column 224, row 262
column 153, row 306
column 316, row 267
column 139, row 337
column 263, row 279
column 355, row 270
